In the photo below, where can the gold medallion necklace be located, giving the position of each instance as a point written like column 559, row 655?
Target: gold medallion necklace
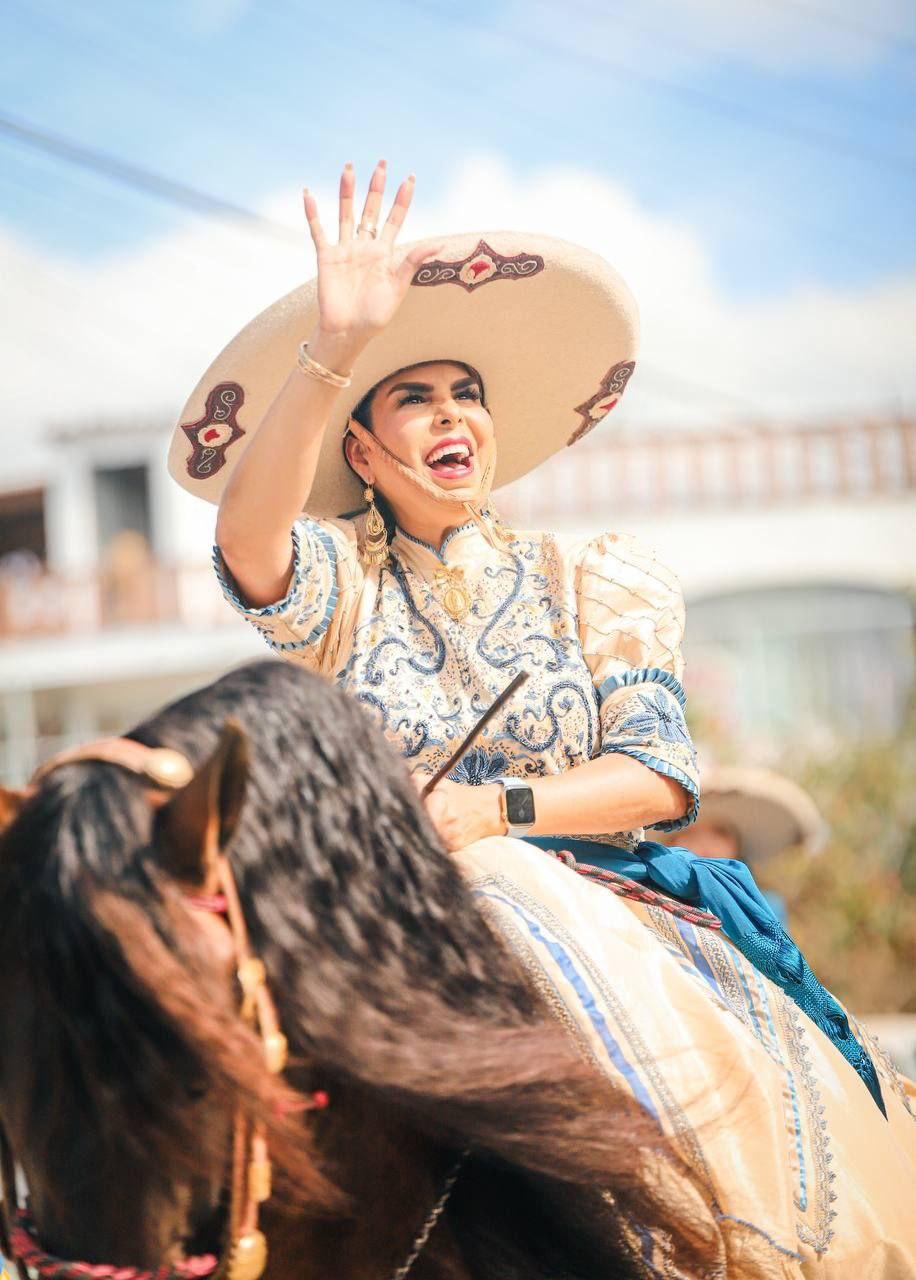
column 451, row 590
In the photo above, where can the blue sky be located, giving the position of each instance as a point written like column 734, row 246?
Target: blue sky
column 783, row 133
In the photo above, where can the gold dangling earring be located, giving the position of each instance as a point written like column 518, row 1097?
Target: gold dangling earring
column 375, row 540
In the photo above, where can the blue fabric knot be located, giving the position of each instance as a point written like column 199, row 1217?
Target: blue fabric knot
column 726, row 887
column 840, row 1024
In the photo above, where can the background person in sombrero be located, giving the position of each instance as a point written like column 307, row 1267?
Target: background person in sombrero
column 426, row 617
column 576, row 615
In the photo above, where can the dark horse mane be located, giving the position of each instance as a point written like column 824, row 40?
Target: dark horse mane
column 388, row 982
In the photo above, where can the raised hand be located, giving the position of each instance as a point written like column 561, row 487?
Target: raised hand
column 364, row 277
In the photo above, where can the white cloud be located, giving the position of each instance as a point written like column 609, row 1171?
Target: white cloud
column 131, row 337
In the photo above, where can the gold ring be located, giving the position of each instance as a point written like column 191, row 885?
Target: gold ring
column 370, row 227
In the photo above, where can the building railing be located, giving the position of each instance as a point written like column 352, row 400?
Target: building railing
column 745, row 467
column 36, row 602
column 646, row 472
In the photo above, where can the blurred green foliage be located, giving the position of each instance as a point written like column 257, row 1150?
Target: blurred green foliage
column 852, row 907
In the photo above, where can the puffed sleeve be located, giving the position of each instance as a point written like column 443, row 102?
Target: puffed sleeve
column 631, row 624
column 310, row 622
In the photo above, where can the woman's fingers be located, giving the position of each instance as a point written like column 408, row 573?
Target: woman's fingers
column 347, row 185
column 415, row 258
column 373, row 206
column 395, row 219
column 311, row 212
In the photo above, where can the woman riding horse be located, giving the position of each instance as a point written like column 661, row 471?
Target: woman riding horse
column 427, row 377
column 446, row 369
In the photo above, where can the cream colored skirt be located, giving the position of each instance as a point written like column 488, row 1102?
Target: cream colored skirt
column 802, row 1172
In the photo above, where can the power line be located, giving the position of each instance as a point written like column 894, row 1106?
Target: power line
column 198, row 201
column 533, row 110
column 144, row 180
column 702, row 98
column 286, row 31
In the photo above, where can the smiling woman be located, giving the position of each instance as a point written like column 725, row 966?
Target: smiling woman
column 438, row 366
column 447, row 370
column 397, row 413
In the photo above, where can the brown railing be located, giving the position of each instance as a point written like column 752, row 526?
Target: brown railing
column 36, row 602
column 753, row 466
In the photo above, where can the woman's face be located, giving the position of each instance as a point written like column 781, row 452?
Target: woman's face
column 431, row 417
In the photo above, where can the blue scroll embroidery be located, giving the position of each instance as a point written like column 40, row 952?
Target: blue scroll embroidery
column 531, row 743
column 372, row 674
column 502, row 658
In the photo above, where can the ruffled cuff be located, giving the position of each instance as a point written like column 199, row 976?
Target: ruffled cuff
column 642, row 716
column 303, row 615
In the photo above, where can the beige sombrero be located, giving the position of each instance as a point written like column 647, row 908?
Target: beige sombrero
column 767, row 812
column 550, row 326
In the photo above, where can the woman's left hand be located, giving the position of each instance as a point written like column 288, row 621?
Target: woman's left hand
column 463, row 814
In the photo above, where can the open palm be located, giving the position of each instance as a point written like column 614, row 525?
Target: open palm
column 364, row 277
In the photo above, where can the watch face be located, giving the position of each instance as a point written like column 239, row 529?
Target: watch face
column 519, row 806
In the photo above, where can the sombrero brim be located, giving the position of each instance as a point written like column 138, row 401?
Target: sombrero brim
column 767, row 812
column 551, row 328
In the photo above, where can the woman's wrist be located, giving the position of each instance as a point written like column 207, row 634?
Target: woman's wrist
column 489, row 804
column 610, row 793
column 337, row 351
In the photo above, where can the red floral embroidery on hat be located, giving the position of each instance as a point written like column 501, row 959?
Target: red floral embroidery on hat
column 613, row 385
column 478, row 268
column 212, row 434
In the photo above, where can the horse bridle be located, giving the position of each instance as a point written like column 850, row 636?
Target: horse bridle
column 244, row 1254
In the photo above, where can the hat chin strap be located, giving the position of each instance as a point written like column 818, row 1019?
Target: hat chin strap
column 470, row 500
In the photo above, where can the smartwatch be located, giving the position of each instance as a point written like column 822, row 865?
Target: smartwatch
column 517, row 806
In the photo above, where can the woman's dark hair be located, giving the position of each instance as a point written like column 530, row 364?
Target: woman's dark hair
column 363, row 415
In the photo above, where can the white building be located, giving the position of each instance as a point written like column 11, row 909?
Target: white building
column 797, row 552
column 796, row 547
column 108, row 604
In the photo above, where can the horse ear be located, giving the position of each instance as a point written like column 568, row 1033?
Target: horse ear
column 11, row 801
column 198, row 821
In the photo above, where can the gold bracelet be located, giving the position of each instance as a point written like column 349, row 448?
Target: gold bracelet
column 310, row 366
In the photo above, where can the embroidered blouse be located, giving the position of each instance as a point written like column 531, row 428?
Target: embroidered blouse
column 597, row 624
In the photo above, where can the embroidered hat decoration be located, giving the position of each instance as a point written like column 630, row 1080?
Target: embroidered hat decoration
column 551, row 327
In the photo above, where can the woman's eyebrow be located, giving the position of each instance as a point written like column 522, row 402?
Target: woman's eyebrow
column 427, row 386
column 409, row 386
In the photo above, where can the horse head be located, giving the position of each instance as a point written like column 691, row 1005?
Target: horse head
column 125, row 1059
column 116, row 1111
